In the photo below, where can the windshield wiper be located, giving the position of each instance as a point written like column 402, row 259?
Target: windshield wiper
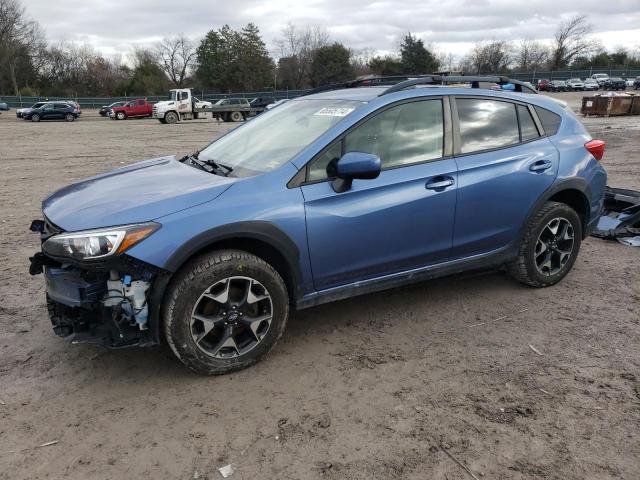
column 219, row 166
column 208, row 165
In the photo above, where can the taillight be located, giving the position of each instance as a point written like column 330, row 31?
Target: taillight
column 595, row 148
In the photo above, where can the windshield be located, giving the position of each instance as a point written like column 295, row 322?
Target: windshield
column 275, row 137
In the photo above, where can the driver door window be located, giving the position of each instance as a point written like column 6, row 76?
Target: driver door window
column 403, row 135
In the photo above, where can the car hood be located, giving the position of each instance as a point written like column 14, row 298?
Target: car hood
column 137, row 193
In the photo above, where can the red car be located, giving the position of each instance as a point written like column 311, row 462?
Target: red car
column 135, row 108
column 544, row 85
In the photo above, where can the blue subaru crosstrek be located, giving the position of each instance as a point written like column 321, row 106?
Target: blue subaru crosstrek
column 328, row 196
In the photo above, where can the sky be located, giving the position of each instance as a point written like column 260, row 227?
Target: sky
column 452, row 26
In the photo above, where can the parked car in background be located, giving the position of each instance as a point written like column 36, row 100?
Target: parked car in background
column 600, row 77
column 52, row 111
column 575, row 84
column 629, row 82
column 137, row 108
column 544, row 85
column 261, row 102
column 4, row 106
column 277, row 103
column 591, row 84
column 320, row 199
column 73, row 103
column 104, row 110
column 614, row 83
column 20, row 111
column 232, row 102
column 636, row 83
column 558, row 86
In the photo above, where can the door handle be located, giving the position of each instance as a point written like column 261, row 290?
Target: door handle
column 439, row 183
column 541, row 166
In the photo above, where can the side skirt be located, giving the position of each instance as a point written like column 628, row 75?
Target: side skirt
column 483, row 261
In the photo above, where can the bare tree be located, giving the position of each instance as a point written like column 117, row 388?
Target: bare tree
column 489, row 57
column 531, row 55
column 296, row 48
column 21, row 41
column 360, row 59
column 570, row 41
column 177, row 57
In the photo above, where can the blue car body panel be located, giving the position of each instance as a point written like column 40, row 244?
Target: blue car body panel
column 381, row 228
column 137, row 193
column 496, row 191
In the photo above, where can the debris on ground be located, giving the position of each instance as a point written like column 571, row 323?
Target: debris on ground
column 535, row 350
column 48, row 444
column 324, row 467
column 620, row 219
column 498, row 319
column 226, row 471
column 459, row 463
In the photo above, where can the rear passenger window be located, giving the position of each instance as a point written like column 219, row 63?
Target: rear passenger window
column 550, row 121
column 486, row 124
column 528, row 129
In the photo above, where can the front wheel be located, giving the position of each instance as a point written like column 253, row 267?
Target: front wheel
column 171, row 117
column 224, row 311
column 121, row 116
column 35, row 117
column 549, row 247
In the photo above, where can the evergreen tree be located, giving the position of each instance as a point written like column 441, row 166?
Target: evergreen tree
column 331, row 64
column 415, row 58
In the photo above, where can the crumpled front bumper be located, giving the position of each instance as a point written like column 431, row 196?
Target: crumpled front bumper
column 89, row 303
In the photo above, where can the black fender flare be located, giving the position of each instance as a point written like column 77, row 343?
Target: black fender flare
column 578, row 184
column 262, row 231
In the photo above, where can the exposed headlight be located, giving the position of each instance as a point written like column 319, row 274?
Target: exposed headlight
column 96, row 244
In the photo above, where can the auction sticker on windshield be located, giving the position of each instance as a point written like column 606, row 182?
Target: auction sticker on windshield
column 335, row 111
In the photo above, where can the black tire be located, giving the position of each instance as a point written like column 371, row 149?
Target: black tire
column 162, row 120
column 171, row 117
column 524, row 267
column 187, row 290
column 35, row 117
column 69, row 117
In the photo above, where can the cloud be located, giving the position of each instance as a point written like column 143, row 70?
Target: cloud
column 113, row 27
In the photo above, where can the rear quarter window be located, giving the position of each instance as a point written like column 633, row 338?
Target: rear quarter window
column 550, row 121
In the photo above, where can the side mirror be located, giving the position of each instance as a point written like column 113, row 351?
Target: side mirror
column 355, row 165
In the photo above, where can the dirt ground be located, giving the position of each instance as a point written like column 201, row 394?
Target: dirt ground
column 393, row 385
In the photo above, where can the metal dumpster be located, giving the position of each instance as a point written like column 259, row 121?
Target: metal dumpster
column 607, row 105
column 635, row 105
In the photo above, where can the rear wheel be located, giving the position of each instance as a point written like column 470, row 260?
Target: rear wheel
column 69, row 117
column 550, row 246
column 171, row 117
column 225, row 311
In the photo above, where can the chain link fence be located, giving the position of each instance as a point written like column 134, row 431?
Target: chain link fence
column 19, row 101
column 97, row 102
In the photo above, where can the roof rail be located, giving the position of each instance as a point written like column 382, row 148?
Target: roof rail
column 474, row 80
column 368, row 80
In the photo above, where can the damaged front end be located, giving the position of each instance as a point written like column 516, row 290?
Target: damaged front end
column 95, row 292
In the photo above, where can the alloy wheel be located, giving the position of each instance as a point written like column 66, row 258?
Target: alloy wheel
column 231, row 317
column 554, row 246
